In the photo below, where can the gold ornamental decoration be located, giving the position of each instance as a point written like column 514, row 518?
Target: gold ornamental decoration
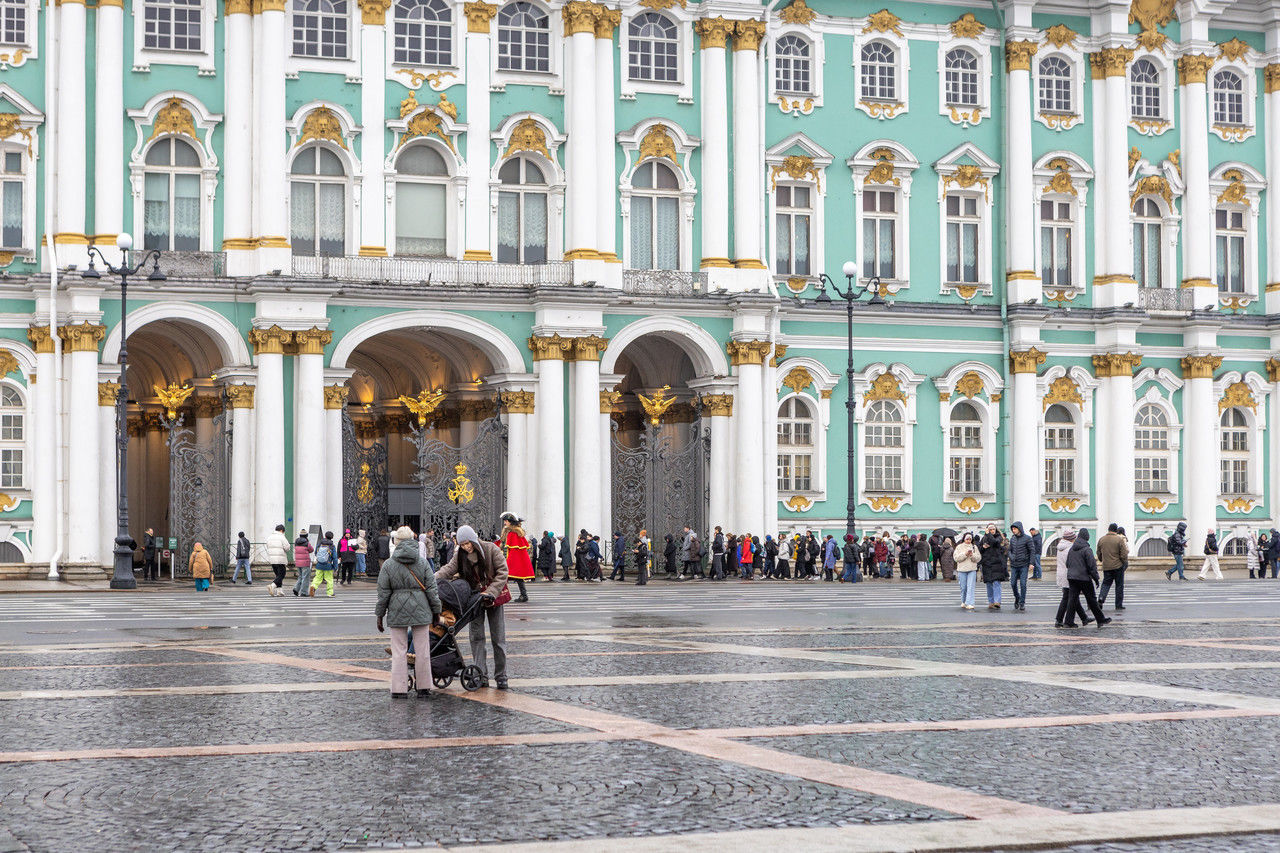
column 748, row 352
column 607, row 22
column 716, row 405
column 882, row 172
column 663, row 5
column 883, row 21
column 1237, row 395
column 270, row 341
column 609, row 399
column 965, row 176
column 885, row 503
column 967, row 27
column 880, row 109
column 656, row 406
column 797, row 379
column 9, row 125
column 8, row 362
column 588, row 348
column 798, row 503
column 516, row 402
column 1116, row 364
column 970, row 385
column 322, row 123
column 311, row 341
column 240, row 396
column 1113, row 61
column 460, row 489
column 1151, row 14
column 479, row 14
column 579, row 17
column 1153, row 505
column 1017, row 55
column 1238, row 505
column 1152, row 185
column 713, row 32
column 550, row 347
column 108, row 393
column 409, row 104
column 1194, row 68
column 82, row 337
column 1200, row 366
column 423, row 405
column 173, row 397
column 447, row 106
column 1273, row 369
column 1234, row 50
column 883, row 387
column 373, row 13
column 426, row 123
column 798, row 168
column 1063, row 390
column 1063, row 504
column 748, row 34
column 1152, row 40
column 1060, row 36
column 1271, row 78
column 174, row 117
column 1061, row 181
column 1134, row 156
column 797, row 13
column 41, row 340
column 528, row 136
column 968, row 505
column 364, row 489
column 1236, row 192
column 657, row 143
column 779, row 352
column 335, row 396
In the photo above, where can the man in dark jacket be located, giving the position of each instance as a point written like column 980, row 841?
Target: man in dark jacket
column 851, row 573
column 150, row 557
column 619, row 558
column 717, row 554
column 1082, row 574
column 1037, row 548
column 566, row 556
column 1021, row 547
column 642, row 558
column 547, row 555
column 1113, row 554
column 1177, row 547
column 242, row 560
column 1272, row 556
column 994, row 564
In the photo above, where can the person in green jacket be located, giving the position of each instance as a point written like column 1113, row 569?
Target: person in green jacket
column 408, row 598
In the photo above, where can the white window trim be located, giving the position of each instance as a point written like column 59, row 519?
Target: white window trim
column 350, row 67
column 205, row 122
column 907, row 383
column 556, row 181
column 904, row 164
column 404, row 72
column 352, row 165
column 824, row 383
column 983, row 188
column 1235, row 133
column 26, row 139
column 682, row 89
column 23, row 492
column 1168, row 91
column 1172, row 218
column 1079, row 68
column 1080, row 174
column 1162, row 385
column 1254, row 184
column 818, row 448
column 774, row 158
column 556, row 44
column 989, row 411
column 17, row 55
column 981, row 48
column 1257, row 425
column 144, row 57
column 789, row 103
column 455, row 195
column 1083, row 416
column 629, row 141
column 902, row 54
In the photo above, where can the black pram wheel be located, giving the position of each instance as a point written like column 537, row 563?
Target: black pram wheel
column 442, row 683
column 471, row 678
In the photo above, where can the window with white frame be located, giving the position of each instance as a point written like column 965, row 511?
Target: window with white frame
column 1056, row 86
column 965, row 444
column 963, row 223
column 1234, row 452
column 13, row 22
column 318, row 203
column 172, row 24
column 12, row 199
column 653, row 42
column 961, row 83
column 1060, row 443
column 655, row 217
column 1228, row 98
column 879, row 72
column 1151, row 462
column 522, row 213
column 422, row 190
column 879, row 233
column 12, row 438
column 1148, row 237
column 171, row 197
column 793, row 215
column 423, row 33
column 1145, row 95
column 524, row 38
column 884, row 439
column 321, row 28
column 1056, row 250
column 1229, row 248
column 795, row 446
column 793, row 65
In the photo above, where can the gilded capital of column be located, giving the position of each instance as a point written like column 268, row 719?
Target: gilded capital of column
column 1017, row 55
column 579, row 17
column 374, row 12
column 335, row 396
column 1194, row 68
column 312, row 341
column 1097, row 71
column 609, row 399
column 41, row 340
column 588, row 348
column 748, row 34
column 270, row 341
column 551, row 347
column 1273, row 369
column 748, row 352
column 82, row 337
column 779, row 352
column 607, row 22
column 205, row 407
column 240, row 396
column 1200, row 366
column 475, row 410
column 1271, row 78
column 108, row 393
column 479, row 14
column 1026, row 361
column 1115, row 364
column 8, row 362
column 713, row 32
column 516, row 402
column 1113, row 60
column 261, row 6
column 232, row 7
column 717, row 405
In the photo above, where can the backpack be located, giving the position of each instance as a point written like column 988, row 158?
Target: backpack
column 324, row 554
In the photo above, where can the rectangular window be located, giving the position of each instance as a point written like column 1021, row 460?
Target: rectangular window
column 1151, row 475
column 793, row 214
column 966, row 437
column 1229, row 245
column 1055, row 243
column 171, row 25
column 1059, row 476
column 966, row 475
column 417, row 234
column 11, row 196
column 11, row 427
column 795, row 472
column 879, row 234
column 320, row 29
column 884, row 473
column 1235, row 476
column 13, row 22
column 962, row 239
column 11, row 468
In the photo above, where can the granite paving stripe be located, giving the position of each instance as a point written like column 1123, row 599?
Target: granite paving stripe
column 686, row 663
column 1253, row 682
column 1059, row 654
column 328, row 667
column 197, row 690
column 163, row 676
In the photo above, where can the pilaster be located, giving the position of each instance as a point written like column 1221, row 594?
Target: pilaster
column 42, row 473
column 373, row 116
column 1200, row 462
column 270, row 177
column 238, row 140
column 580, row 105
column 1113, row 282
column 1026, row 475
column 1197, row 210
column 268, row 426
column 748, row 165
column 1114, row 424
column 606, row 144
column 479, row 17
column 548, row 365
column 70, row 144
column 1023, row 274
column 713, row 35
column 747, row 357
column 108, row 136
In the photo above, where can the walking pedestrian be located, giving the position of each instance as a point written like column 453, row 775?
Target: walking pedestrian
column 619, row 572
column 483, row 567
column 851, row 573
column 1177, row 547
column 1253, row 555
column 1082, row 574
column 717, row 554
column 1272, row 553
column 669, row 553
column 243, row 550
column 201, row 566
column 326, row 562
column 947, row 559
column 547, row 555
column 967, row 557
column 1037, row 548
column 409, row 600
column 150, row 556
column 580, row 555
column 302, row 551
column 994, row 565
column 347, row 558
column 429, row 545
column 1069, row 609
column 1021, row 549
column 786, row 553
column 278, row 557
column 688, row 552
column 593, row 559
column 642, row 558
column 1113, row 555
column 566, row 556
column 828, row 559
column 362, row 553
column 1211, row 556
column 922, row 557
column 813, row 555
column 515, row 548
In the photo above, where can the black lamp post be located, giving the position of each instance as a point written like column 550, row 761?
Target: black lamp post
column 850, row 295
column 122, row 578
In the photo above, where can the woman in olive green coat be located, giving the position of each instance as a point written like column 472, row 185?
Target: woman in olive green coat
column 409, row 599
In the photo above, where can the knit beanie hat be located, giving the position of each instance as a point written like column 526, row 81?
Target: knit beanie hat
column 402, row 534
column 467, row 534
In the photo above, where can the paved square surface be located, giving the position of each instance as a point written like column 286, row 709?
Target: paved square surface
column 692, row 716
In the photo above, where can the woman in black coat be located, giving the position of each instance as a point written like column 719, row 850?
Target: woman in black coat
column 669, row 553
column 547, row 555
column 993, row 564
column 757, row 557
column 906, row 557
column 734, row 555
column 566, row 556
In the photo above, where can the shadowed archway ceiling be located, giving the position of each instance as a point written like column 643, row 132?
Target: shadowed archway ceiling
column 169, row 351
column 407, row 361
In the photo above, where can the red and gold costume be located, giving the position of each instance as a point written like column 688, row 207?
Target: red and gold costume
column 516, row 548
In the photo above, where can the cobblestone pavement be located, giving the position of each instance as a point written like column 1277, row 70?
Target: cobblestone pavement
column 676, row 712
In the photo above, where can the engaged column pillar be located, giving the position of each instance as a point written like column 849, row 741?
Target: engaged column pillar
column 80, row 347
column 1025, row 453
column 268, row 427
column 714, row 103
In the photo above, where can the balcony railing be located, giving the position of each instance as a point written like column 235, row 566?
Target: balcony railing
column 1165, row 299
column 432, row 271
column 664, row 282
column 193, row 264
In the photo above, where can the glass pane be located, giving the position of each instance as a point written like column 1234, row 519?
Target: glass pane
column 782, row 243
column 667, row 234
column 302, row 218
column 332, row 219
column 869, row 247
column 970, row 259
column 642, row 233
column 802, row 245
column 420, row 219
column 508, row 227
column 155, row 212
column 886, row 248
column 186, row 213
column 12, row 215
column 535, row 228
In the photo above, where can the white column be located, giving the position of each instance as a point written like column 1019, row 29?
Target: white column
column 270, row 180
column 748, row 168
column 268, row 429
column 373, row 137
column 1120, row 439
column 108, row 136
column 584, row 465
column 719, row 408
column 714, row 103
column 605, row 479
column 479, row 18
column 107, row 468
column 748, row 490
column 310, row 455
column 1271, row 107
column 517, row 457
column 41, row 472
column 1025, row 440
column 606, row 146
column 238, row 145
column 549, row 407
column 1199, row 448
column 1197, row 208
column 1101, row 214
column 1114, row 280
column 80, row 345
column 334, row 512
column 580, row 107
column 242, row 468
column 1273, row 437
column 1022, row 276
column 769, row 430
column 71, row 189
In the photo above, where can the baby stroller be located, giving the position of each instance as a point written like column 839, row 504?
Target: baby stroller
column 461, row 606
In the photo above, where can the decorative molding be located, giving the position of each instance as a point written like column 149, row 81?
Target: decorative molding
column 967, row 27
column 517, row 402
column 1237, row 394
column 1061, row 36
column 1025, row 361
column 1063, row 390
column 883, row 21
column 797, row 13
column 713, row 32
column 798, row 503
column 108, row 393
column 881, row 109
column 82, row 337
column 884, row 503
column 1017, row 54
column 479, row 15
column 717, row 405
column 1115, row 364
column 528, row 135
column 797, row 167
column 748, row 352
column 239, row 396
column 884, row 387
column 550, row 348
column 1200, row 366
column 269, row 341
column 798, row 379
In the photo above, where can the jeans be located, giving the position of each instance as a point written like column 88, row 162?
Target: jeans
column 1275, row 566
column 968, row 582
column 304, row 581
column 497, row 630
column 850, row 572
column 360, row 564
column 619, row 570
column 771, row 567
column 1035, row 567
column 248, row 572
column 1177, row 567
column 1115, row 576
column 885, row 570
column 1018, row 580
column 994, row 591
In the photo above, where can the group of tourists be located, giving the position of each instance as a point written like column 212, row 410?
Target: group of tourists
column 318, row 564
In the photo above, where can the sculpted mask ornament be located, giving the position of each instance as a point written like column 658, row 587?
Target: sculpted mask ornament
column 797, row 379
column 1236, row 192
column 970, row 385
column 174, row 117
column 1060, row 36
column 883, row 21
column 1237, row 395
column 8, row 363
column 882, row 171
column 1152, row 185
column 1151, row 14
column 796, row 167
column 1063, row 390
column 322, row 123
column 884, row 387
column 1234, row 50
column 528, row 136
column 1061, row 181
column 657, row 143
column 967, row 27
column 797, row 13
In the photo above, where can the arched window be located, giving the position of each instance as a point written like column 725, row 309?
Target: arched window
column 961, row 78
column 1148, row 243
column 10, row 553
column 522, row 213
column 320, row 28
column 1237, row 546
column 793, row 65
column 795, row 446
column 423, row 33
column 1055, row 85
column 318, row 203
column 654, row 46
column 422, row 185
column 13, row 438
column 13, row 180
column 1059, row 451
column 966, row 450
column 1151, row 446
column 1144, row 90
column 655, row 218
column 1229, row 243
column 166, row 24
column 171, row 197
column 1234, row 446
column 13, row 22
column 793, row 214
column 879, row 72
column 885, row 442
column 1228, row 97
column 524, row 38
column 1154, row 547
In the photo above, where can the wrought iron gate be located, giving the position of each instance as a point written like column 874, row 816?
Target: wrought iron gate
column 661, row 485
column 365, row 478
column 463, row 485
column 199, row 494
